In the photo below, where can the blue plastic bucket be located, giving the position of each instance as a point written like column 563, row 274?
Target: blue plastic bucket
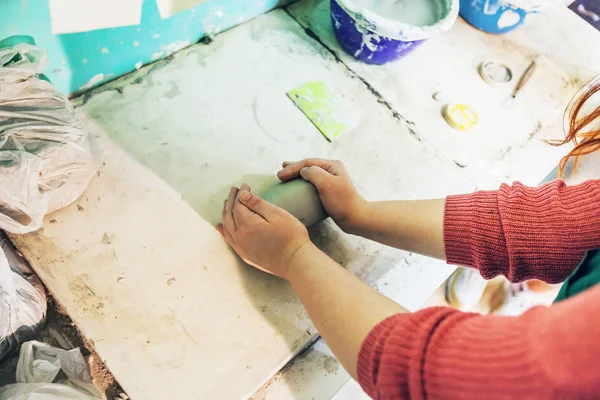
column 499, row 16
column 377, row 40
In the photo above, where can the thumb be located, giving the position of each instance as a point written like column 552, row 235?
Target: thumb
column 315, row 175
column 257, row 205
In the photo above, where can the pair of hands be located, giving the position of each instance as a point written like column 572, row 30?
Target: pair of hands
column 267, row 237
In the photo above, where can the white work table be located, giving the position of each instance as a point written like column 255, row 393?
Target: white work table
column 136, row 261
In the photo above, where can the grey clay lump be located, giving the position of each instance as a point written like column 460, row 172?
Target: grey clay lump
column 298, row 197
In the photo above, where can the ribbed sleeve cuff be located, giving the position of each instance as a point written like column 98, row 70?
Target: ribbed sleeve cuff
column 473, row 235
column 549, row 228
column 389, row 362
column 370, row 354
column 441, row 352
column 473, row 356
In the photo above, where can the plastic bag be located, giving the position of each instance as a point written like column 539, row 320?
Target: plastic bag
column 45, row 372
column 46, row 157
column 22, row 300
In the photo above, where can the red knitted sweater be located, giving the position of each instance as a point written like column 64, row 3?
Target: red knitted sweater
column 548, row 352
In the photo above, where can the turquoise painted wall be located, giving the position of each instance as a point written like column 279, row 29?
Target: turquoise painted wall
column 79, row 61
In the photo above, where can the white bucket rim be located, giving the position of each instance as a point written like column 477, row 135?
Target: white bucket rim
column 397, row 30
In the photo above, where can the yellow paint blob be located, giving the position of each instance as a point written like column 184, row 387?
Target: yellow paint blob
column 460, row 116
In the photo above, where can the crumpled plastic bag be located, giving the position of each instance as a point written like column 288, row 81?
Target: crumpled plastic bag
column 47, row 159
column 22, row 300
column 45, row 372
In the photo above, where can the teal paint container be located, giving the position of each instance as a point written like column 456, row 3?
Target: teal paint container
column 500, row 16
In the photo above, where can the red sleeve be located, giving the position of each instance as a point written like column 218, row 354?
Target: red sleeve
column 447, row 354
column 523, row 232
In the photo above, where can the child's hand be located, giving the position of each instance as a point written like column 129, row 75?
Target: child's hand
column 338, row 194
column 265, row 236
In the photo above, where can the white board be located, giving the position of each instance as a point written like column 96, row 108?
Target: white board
column 71, row 16
column 168, row 8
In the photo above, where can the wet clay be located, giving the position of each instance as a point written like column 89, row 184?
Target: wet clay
column 298, row 197
column 414, row 12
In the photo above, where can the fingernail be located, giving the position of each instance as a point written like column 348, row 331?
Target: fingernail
column 245, row 196
column 303, row 170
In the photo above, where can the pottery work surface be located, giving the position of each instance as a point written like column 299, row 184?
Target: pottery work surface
column 137, row 263
column 509, row 135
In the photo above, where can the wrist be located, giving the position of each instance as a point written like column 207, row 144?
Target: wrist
column 300, row 260
column 357, row 221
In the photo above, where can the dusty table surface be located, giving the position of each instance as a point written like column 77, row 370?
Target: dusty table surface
column 447, row 65
column 136, row 261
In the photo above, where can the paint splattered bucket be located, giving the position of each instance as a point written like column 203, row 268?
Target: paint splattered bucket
column 500, row 16
column 375, row 39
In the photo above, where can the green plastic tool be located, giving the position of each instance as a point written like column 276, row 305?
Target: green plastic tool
column 333, row 115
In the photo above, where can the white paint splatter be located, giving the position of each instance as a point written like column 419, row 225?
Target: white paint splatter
column 508, row 18
column 84, row 61
column 175, row 46
column 489, row 7
column 156, row 36
column 168, row 49
column 138, row 65
column 213, row 21
column 367, row 40
column 92, row 82
column 157, row 55
column 590, row 14
column 136, row 43
column 335, row 21
column 530, row 5
column 104, row 50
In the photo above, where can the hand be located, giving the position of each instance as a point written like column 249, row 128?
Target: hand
column 338, row 194
column 265, row 236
